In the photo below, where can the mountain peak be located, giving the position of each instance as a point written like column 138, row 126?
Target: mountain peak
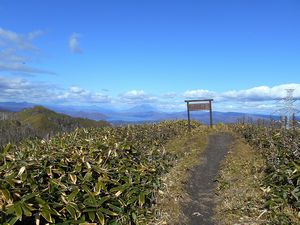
column 142, row 108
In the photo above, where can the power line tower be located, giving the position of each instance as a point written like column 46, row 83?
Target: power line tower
column 288, row 110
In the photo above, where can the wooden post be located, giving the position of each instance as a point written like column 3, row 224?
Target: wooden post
column 210, row 114
column 188, row 112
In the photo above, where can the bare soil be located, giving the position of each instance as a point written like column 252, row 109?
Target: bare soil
column 201, row 184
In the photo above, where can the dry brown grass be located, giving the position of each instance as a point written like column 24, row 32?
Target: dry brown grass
column 240, row 197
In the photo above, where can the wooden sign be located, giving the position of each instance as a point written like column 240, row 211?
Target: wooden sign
column 200, row 106
column 194, row 105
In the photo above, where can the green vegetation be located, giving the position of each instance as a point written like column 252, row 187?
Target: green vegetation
column 40, row 122
column 136, row 174
column 13, row 131
column 280, row 181
column 104, row 175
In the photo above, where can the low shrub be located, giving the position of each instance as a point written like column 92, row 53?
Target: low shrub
column 98, row 175
column 281, row 148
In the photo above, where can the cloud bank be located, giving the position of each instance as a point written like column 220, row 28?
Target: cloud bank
column 262, row 99
column 261, row 93
column 16, row 89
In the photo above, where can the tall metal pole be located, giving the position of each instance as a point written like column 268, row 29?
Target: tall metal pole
column 210, row 114
column 288, row 109
column 286, row 122
column 294, row 121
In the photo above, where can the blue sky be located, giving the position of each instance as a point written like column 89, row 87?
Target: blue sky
column 242, row 53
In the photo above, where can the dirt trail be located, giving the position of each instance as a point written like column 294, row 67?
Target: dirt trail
column 201, row 185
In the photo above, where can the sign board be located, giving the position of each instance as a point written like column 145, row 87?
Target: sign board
column 195, row 105
column 199, row 106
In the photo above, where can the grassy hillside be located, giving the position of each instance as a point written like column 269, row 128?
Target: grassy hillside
column 46, row 120
column 39, row 122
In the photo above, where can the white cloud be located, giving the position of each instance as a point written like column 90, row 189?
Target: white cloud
column 34, row 34
column 22, row 68
column 18, row 51
column 77, row 90
column 262, row 93
column 78, row 94
column 137, row 97
column 134, row 94
column 74, row 43
column 16, row 89
column 19, row 41
column 9, row 35
column 264, row 99
column 199, row 93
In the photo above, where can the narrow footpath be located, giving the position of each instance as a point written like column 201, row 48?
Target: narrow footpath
column 201, row 184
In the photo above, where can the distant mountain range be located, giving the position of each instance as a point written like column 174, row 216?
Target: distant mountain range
column 137, row 114
column 15, row 106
